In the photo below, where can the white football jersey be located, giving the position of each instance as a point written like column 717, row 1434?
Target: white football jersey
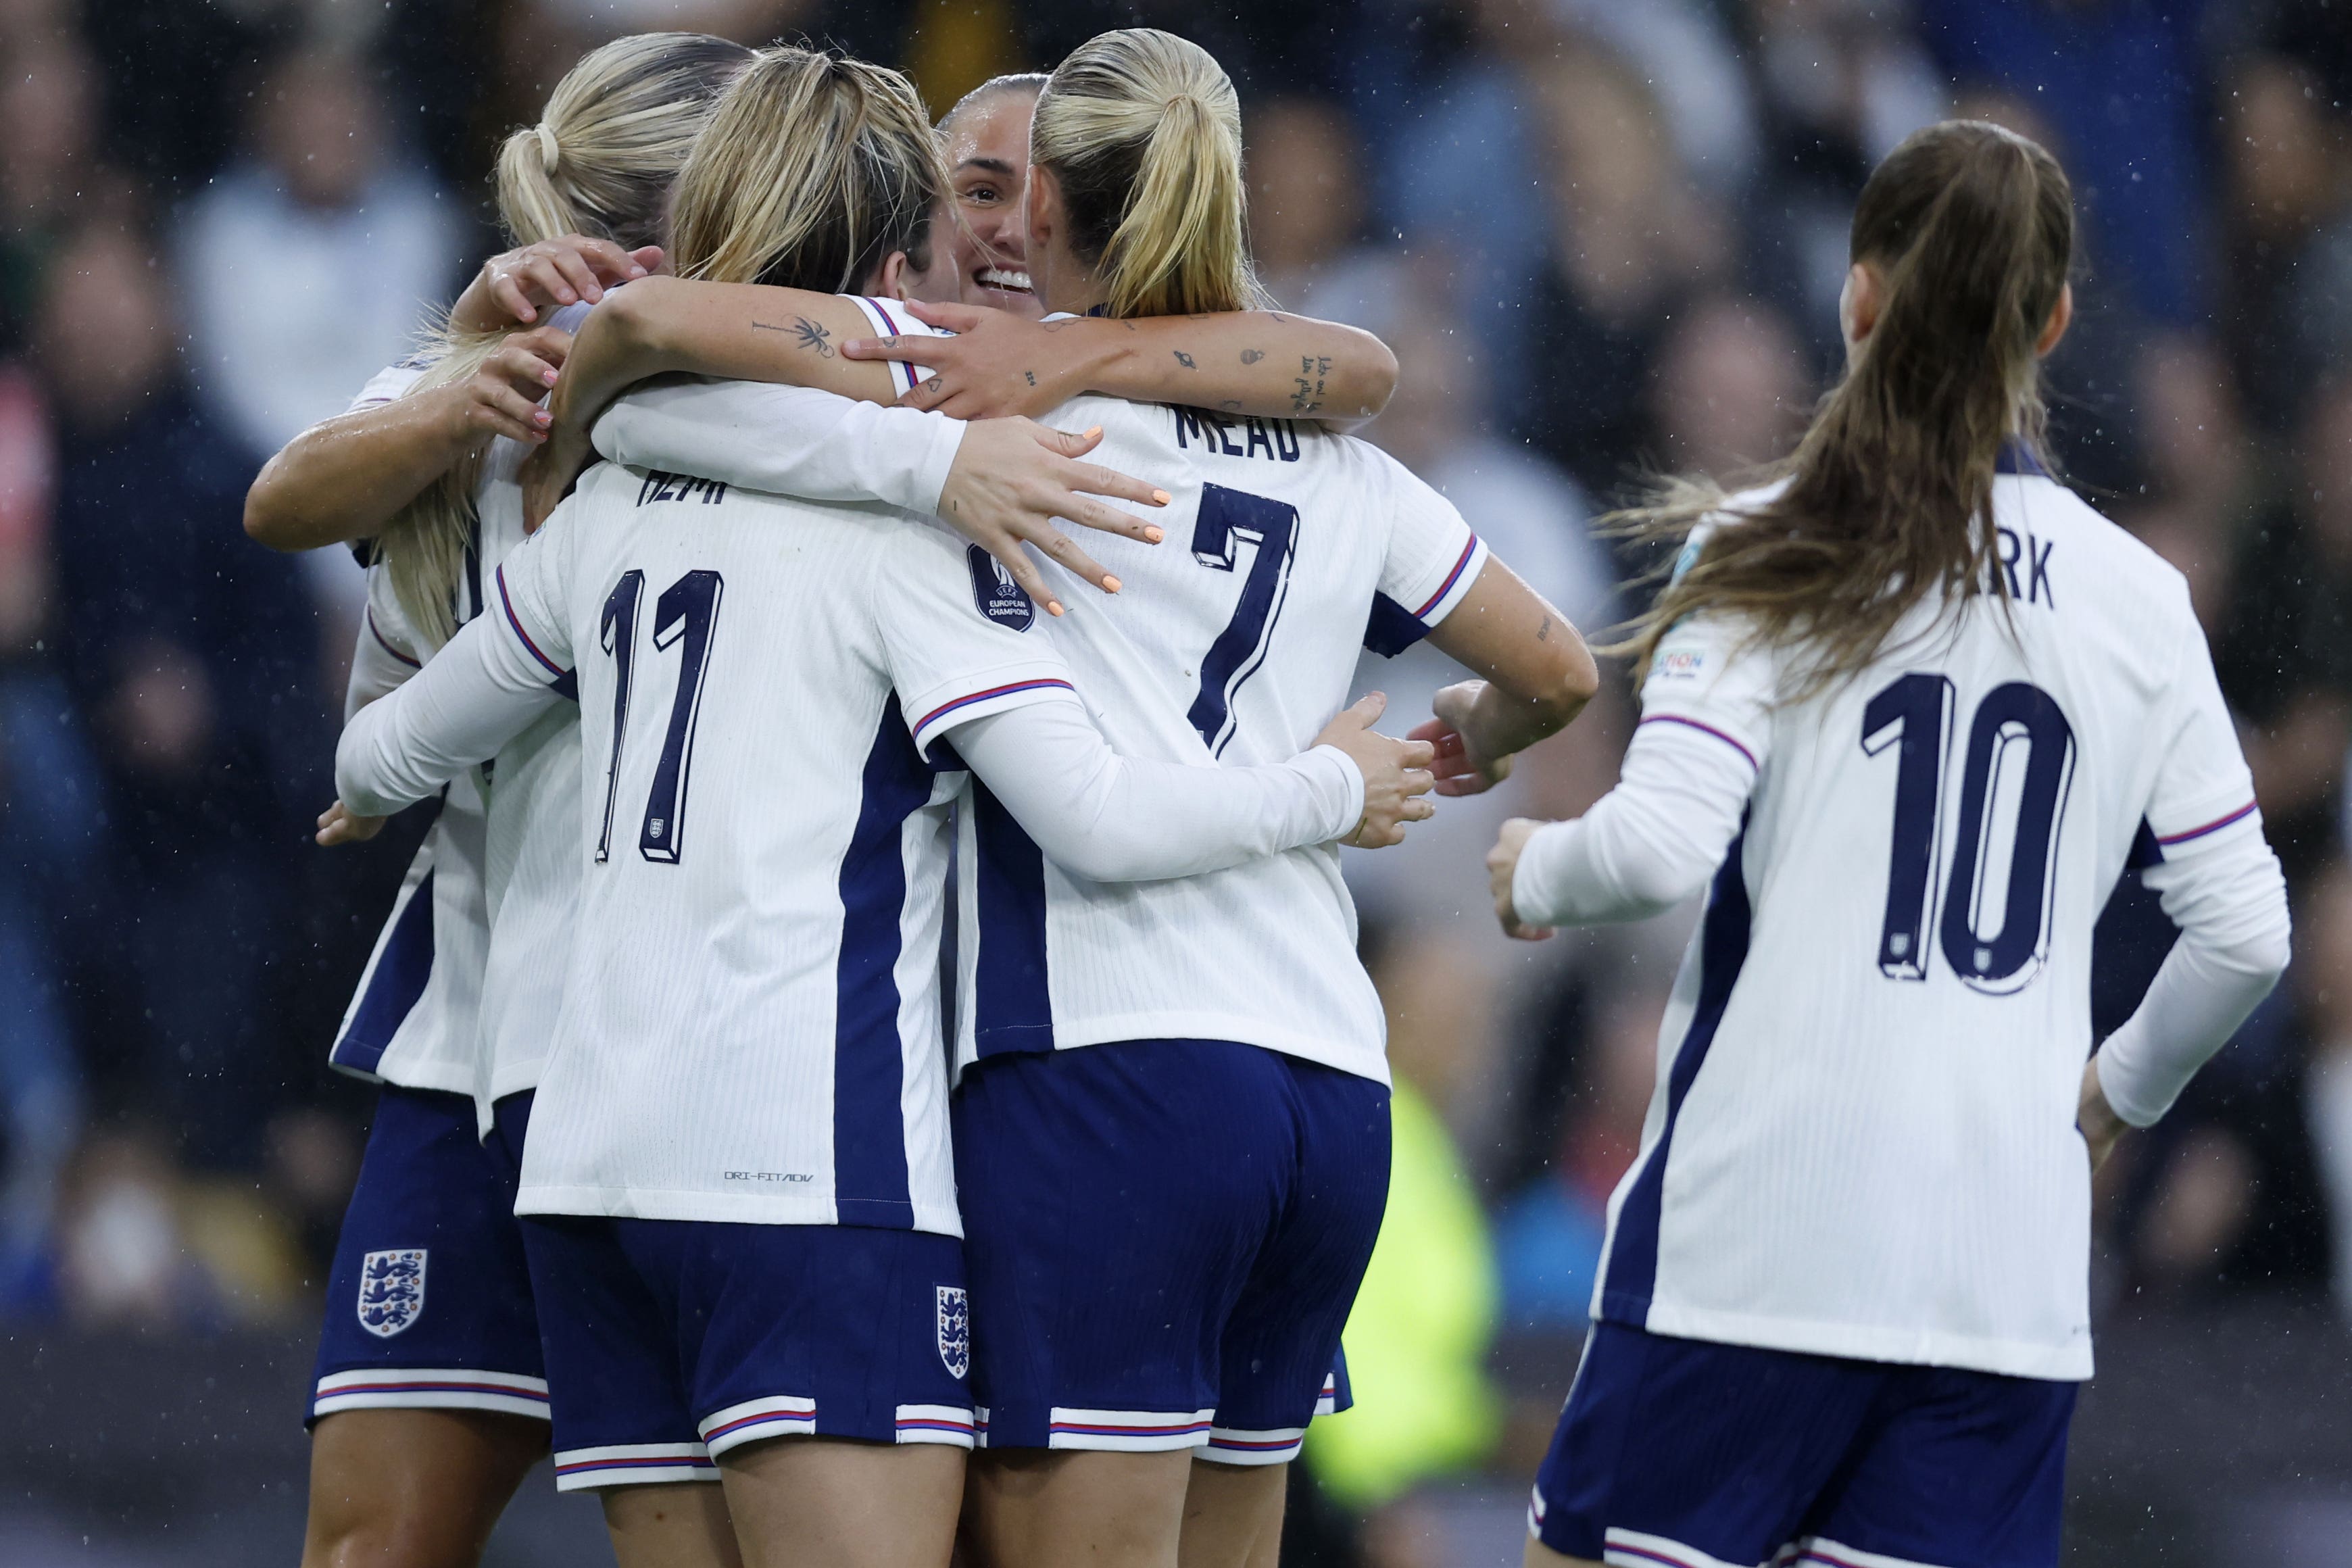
column 416, row 1017
column 750, row 1027
column 1861, row 1142
column 745, row 431
column 1287, row 551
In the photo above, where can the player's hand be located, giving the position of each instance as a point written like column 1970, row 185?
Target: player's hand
column 502, row 398
column 1460, row 769
column 339, row 825
column 2095, row 1118
column 1396, row 773
column 1502, row 865
column 548, row 474
column 997, row 365
column 515, row 286
column 1012, row 478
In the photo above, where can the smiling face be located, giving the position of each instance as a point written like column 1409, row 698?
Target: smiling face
column 988, row 153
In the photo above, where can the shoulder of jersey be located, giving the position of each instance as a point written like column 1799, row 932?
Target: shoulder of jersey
column 2126, row 560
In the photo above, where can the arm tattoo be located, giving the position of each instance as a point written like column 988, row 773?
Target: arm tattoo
column 1251, row 356
column 1030, row 376
column 1185, row 359
column 1543, row 632
column 810, row 334
column 1312, row 369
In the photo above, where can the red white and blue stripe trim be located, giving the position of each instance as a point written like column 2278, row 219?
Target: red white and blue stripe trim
column 957, row 705
column 430, row 1388
column 1327, row 1402
column 778, row 1416
column 507, row 603
column 1703, row 729
column 1632, row 1548
column 1815, row 1553
column 905, row 377
column 1236, row 1445
column 948, row 1424
column 384, row 643
column 1133, row 1431
column 632, row 1465
column 2219, row 823
column 1460, row 565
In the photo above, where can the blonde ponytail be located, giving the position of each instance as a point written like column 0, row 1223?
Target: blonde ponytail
column 814, row 169
column 601, row 161
column 614, row 133
column 1143, row 133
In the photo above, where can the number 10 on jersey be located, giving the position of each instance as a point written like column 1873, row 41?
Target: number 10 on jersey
column 2019, row 767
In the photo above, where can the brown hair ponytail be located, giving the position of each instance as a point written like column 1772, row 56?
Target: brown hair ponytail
column 1888, row 497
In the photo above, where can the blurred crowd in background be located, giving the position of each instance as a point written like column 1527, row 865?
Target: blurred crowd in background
column 1604, row 239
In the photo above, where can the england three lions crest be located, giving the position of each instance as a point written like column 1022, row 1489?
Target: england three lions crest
column 955, row 1330
column 391, row 1290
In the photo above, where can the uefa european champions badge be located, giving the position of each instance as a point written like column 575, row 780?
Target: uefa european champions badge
column 998, row 597
column 955, row 1330
column 391, row 1290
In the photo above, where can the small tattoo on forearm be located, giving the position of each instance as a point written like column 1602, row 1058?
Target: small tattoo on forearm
column 1030, row 376
column 1230, row 406
column 808, row 333
column 1185, row 359
column 1251, row 356
column 1543, row 632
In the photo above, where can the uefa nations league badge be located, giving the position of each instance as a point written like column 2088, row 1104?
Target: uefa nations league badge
column 955, row 1330
column 391, row 1290
column 998, row 597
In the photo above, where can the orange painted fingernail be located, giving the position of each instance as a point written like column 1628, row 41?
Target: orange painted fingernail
column 1053, row 607
column 1162, row 497
column 1110, row 583
column 1095, row 431
column 1154, row 535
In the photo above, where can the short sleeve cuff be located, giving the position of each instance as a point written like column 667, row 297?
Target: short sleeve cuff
column 1397, row 623
column 892, row 322
column 932, row 714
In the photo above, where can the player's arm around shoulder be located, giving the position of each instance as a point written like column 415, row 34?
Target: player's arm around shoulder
column 1536, row 674
column 1263, row 363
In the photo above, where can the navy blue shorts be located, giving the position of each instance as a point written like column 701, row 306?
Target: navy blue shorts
column 670, row 1341
column 429, row 1305
column 1164, row 1237
column 1685, row 1454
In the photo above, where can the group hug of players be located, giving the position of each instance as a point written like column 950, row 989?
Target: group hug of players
column 718, row 595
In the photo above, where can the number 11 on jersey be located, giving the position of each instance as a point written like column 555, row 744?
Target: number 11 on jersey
column 685, row 613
